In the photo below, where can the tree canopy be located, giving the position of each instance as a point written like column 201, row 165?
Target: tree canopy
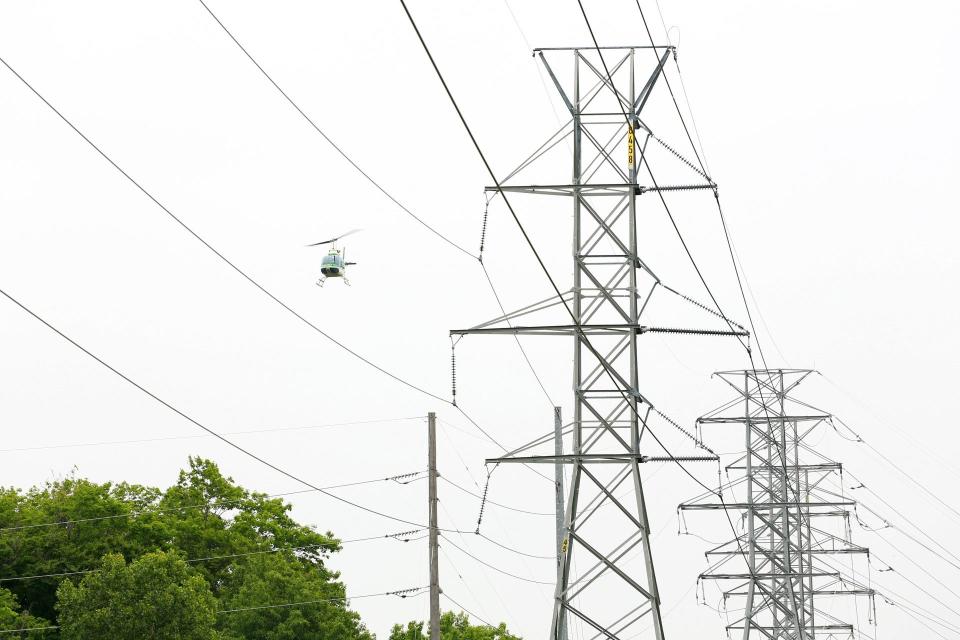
column 12, row 616
column 149, row 563
column 204, row 559
column 156, row 596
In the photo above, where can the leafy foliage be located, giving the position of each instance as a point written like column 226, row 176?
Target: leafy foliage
column 12, row 617
column 242, row 546
column 274, row 579
column 453, row 626
column 155, row 596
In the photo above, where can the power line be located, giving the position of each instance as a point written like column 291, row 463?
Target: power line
column 476, row 146
column 753, row 329
column 892, row 598
column 683, row 242
column 523, row 351
column 945, row 463
column 216, row 252
column 526, row 236
column 243, row 273
column 199, row 425
column 396, row 536
column 335, row 146
column 30, row 629
column 496, row 592
column 512, row 550
column 705, row 173
column 490, row 566
column 953, row 560
column 225, row 503
column 672, row 96
column 467, row 611
column 606, row 69
column 489, row 501
column 374, row 182
column 893, row 464
column 483, row 499
column 388, row 195
column 491, row 439
column 656, row 186
column 716, row 194
column 402, row 593
column 460, row 576
column 718, row 492
column 729, row 244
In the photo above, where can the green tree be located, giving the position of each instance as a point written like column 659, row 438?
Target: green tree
column 231, row 520
column 155, row 597
column 34, row 548
column 12, row 617
column 453, row 626
column 320, row 611
column 254, row 553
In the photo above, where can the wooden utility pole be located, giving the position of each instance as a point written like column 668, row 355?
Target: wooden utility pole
column 434, row 532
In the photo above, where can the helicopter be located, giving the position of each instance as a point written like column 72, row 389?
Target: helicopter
column 334, row 264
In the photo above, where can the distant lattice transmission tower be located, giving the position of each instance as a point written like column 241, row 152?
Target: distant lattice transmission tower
column 795, row 551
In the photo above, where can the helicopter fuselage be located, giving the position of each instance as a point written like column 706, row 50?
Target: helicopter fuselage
column 332, row 265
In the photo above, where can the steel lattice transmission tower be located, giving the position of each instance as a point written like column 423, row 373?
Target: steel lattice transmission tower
column 612, row 590
column 795, row 516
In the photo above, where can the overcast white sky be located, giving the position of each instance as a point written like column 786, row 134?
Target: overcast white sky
column 830, row 127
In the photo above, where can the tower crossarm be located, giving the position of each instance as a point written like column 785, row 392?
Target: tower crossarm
column 761, row 419
column 763, row 506
column 612, row 189
column 770, row 576
column 826, row 466
column 596, row 329
column 815, row 552
column 613, row 458
column 824, row 628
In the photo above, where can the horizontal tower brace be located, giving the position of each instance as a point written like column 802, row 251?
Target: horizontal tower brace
column 764, row 506
column 768, row 576
column 607, row 48
column 819, row 627
column 612, row 189
column 815, row 552
column 816, row 592
column 610, row 458
column 595, row 329
column 829, row 466
column 762, row 418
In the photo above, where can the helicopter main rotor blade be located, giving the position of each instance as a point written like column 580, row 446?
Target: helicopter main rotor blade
column 343, row 235
column 348, row 233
